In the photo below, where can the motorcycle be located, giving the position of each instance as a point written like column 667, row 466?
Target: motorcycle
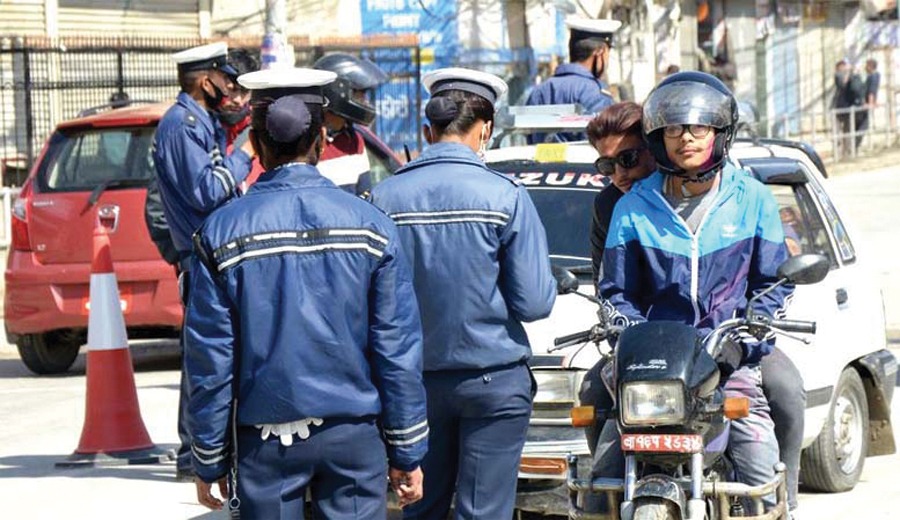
column 673, row 415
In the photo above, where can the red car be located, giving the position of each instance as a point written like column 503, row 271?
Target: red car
column 98, row 161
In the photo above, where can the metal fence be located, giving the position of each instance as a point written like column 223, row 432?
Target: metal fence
column 838, row 134
column 46, row 81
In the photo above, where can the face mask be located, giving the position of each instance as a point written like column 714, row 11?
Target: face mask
column 231, row 117
column 595, row 70
column 214, row 102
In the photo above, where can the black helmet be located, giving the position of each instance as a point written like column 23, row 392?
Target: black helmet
column 690, row 98
column 354, row 74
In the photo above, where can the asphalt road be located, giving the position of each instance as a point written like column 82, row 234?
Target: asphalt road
column 41, row 417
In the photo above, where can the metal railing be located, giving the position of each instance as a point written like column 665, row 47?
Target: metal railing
column 838, row 134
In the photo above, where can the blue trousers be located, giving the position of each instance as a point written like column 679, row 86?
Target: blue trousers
column 478, row 420
column 343, row 464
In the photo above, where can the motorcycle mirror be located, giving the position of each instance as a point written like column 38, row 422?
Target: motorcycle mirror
column 804, row 269
column 566, row 282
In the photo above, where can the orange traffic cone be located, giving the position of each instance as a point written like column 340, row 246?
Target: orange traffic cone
column 113, row 432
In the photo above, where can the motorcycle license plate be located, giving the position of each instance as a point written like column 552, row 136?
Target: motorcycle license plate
column 662, row 443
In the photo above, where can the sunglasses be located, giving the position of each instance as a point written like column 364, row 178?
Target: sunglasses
column 694, row 130
column 627, row 159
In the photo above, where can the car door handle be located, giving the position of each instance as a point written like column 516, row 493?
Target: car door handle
column 841, row 296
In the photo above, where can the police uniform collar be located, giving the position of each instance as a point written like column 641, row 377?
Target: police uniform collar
column 213, row 56
column 444, row 152
column 574, row 69
column 586, row 28
column 292, row 174
column 194, row 109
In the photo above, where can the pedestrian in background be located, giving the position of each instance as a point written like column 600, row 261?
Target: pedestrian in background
column 580, row 81
column 481, row 268
column 303, row 322
column 193, row 172
column 873, row 81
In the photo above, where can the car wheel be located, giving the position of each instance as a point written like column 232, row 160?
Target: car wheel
column 51, row 352
column 835, row 460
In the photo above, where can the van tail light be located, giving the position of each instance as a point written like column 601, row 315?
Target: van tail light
column 21, row 241
column 583, row 416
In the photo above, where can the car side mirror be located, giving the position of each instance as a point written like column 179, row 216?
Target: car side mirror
column 804, row 269
column 566, row 282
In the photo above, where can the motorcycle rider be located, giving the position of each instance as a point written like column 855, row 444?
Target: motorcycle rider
column 345, row 161
column 692, row 243
column 616, row 134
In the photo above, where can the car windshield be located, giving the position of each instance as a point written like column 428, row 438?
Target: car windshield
column 563, row 194
column 84, row 159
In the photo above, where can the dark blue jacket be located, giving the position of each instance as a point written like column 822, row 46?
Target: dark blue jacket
column 571, row 83
column 479, row 256
column 655, row 268
column 194, row 175
column 302, row 290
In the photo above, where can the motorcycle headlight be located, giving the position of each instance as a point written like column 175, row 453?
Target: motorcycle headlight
column 652, row 404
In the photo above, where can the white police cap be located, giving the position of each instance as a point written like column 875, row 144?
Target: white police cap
column 477, row 82
column 276, row 83
column 204, row 57
column 583, row 28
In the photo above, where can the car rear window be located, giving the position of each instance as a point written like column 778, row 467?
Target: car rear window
column 82, row 160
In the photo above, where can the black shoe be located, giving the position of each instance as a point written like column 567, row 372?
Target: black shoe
column 184, row 475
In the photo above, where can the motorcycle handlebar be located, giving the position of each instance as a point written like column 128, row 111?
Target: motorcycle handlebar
column 802, row 327
column 571, row 339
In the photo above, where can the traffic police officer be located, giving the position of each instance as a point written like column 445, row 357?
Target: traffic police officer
column 303, row 318
column 580, row 80
column 345, row 160
column 193, row 174
column 481, row 268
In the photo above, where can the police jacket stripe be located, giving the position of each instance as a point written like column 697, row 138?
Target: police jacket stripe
column 423, row 424
column 299, row 250
column 408, row 442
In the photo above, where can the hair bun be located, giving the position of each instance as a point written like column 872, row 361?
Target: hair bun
column 288, row 119
column 441, row 110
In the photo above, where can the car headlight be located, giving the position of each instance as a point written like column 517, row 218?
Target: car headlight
column 556, row 386
column 652, row 404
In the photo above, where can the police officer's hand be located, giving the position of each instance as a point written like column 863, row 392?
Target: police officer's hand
column 247, row 147
column 407, row 485
column 205, row 496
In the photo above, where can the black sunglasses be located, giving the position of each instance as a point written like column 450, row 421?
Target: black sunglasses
column 627, row 159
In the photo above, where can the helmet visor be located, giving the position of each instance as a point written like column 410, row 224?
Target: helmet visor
column 686, row 103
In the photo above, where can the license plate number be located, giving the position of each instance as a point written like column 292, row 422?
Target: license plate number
column 662, row 443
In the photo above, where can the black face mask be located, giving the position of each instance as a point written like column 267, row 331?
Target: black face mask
column 231, row 117
column 214, row 102
column 594, row 69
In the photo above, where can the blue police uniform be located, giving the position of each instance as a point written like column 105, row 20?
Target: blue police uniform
column 194, row 174
column 193, row 177
column 571, row 83
column 480, row 268
column 304, row 297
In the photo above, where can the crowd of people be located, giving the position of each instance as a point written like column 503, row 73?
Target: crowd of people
column 336, row 344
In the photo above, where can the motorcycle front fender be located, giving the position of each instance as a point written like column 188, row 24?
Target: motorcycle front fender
column 663, row 487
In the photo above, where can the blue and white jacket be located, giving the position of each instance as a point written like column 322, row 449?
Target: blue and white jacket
column 194, row 174
column 655, row 268
column 479, row 256
column 301, row 292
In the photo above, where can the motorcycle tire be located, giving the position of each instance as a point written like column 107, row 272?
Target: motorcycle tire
column 652, row 508
column 835, row 460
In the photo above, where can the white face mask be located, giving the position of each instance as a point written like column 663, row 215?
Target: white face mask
column 482, row 148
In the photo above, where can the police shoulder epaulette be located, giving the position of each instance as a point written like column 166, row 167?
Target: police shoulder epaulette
column 190, row 118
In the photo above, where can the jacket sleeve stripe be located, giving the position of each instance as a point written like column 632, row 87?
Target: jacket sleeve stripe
column 211, row 456
column 423, row 424
column 422, row 436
